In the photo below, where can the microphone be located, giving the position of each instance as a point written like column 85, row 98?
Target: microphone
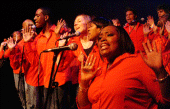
column 77, row 33
column 72, row 46
column 32, row 27
column 142, row 19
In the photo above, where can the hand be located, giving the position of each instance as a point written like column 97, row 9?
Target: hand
column 63, row 41
column 60, row 24
column 146, row 29
column 167, row 26
column 153, row 56
column 11, row 44
column 81, row 57
column 162, row 28
column 150, row 20
column 2, row 45
column 28, row 34
column 87, row 70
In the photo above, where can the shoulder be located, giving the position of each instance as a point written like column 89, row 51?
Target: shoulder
column 135, row 62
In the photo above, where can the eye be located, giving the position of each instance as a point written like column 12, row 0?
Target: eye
column 110, row 34
column 100, row 37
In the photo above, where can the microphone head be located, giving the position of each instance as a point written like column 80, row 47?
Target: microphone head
column 73, row 46
column 142, row 19
column 33, row 26
column 77, row 33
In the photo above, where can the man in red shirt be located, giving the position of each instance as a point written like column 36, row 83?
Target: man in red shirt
column 47, row 39
column 134, row 29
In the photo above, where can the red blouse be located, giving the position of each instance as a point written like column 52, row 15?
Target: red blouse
column 128, row 83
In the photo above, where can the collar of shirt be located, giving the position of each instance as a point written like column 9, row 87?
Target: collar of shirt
column 50, row 30
column 77, row 40
column 137, row 25
column 119, row 59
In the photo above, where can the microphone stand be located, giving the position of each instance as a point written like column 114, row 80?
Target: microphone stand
column 52, row 79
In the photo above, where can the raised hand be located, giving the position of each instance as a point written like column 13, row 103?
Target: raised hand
column 161, row 32
column 2, row 45
column 87, row 70
column 28, row 34
column 146, row 29
column 60, row 24
column 153, row 56
column 167, row 26
column 10, row 43
column 150, row 20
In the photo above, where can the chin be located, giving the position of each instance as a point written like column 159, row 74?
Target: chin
column 104, row 53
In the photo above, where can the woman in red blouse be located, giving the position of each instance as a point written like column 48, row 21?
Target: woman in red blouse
column 124, row 80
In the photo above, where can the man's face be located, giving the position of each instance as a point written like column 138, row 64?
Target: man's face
column 161, row 13
column 39, row 19
column 93, row 32
column 130, row 16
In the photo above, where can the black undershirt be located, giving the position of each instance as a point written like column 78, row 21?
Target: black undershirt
column 87, row 51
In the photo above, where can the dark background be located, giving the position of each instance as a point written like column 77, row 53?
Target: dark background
column 14, row 13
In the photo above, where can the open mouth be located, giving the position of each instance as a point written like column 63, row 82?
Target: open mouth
column 77, row 28
column 104, row 46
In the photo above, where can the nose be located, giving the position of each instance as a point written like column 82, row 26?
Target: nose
column 35, row 18
column 75, row 24
column 102, row 38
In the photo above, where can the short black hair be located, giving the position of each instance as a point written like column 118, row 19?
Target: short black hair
column 165, row 7
column 47, row 11
column 131, row 9
column 125, row 42
column 101, row 22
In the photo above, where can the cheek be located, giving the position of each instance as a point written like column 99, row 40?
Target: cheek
column 83, row 28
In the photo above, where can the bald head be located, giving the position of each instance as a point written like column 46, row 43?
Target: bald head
column 27, row 22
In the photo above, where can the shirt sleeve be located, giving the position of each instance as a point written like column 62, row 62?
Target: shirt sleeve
column 15, row 58
column 31, row 53
column 149, row 80
column 85, row 107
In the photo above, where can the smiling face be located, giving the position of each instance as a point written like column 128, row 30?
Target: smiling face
column 93, row 32
column 108, row 42
column 80, row 24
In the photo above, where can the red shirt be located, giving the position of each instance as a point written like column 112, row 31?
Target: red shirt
column 165, row 46
column 14, row 57
column 128, row 83
column 95, row 52
column 136, row 35
column 66, row 66
column 6, row 54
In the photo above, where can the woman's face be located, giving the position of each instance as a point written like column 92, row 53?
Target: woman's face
column 93, row 32
column 108, row 42
column 80, row 24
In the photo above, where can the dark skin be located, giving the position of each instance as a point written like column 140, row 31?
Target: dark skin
column 107, row 44
column 43, row 21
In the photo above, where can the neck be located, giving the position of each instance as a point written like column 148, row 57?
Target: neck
column 112, row 58
column 47, row 27
column 133, row 24
column 110, row 61
column 84, row 37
